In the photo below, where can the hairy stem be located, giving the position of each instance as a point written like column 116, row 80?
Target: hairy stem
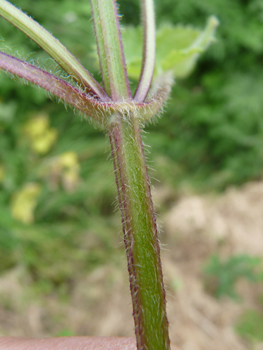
column 140, row 235
column 148, row 62
column 110, row 50
column 56, row 86
column 52, row 46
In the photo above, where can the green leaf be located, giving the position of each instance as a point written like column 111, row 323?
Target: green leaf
column 178, row 48
column 132, row 44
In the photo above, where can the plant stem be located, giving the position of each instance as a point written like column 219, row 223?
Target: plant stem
column 140, row 235
column 148, row 61
column 52, row 46
column 134, row 192
column 110, row 49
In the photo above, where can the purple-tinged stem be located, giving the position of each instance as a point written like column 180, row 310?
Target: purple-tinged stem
column 58, row 87
column 110, row 49
column 96, row 109
column 148, row 61
column 140, row 234
column 53, row 47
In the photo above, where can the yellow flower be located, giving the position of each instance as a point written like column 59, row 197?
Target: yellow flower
column 69, row 164
column 24, row 203
column 41, row 136
column 2, row 173
column 69, row 160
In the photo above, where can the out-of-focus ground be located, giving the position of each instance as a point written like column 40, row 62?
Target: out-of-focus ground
column 194, row 228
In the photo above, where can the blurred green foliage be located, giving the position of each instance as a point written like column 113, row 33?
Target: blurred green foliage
column 250, row 326
column 213, row 126
column 223, row 275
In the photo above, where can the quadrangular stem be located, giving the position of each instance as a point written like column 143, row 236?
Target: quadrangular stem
column 140, row 234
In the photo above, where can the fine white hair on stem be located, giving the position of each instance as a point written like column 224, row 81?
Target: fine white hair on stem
column 52, row 46
column 149, row 46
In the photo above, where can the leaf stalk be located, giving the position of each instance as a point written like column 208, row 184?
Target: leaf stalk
column 52, row 46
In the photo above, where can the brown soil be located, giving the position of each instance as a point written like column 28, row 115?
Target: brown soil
column 194, row 228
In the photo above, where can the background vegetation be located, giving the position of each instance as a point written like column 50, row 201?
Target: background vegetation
column 56, row 184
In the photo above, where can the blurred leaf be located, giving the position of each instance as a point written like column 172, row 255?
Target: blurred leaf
column 177, row 48
column 225, row 273
column 187, row 45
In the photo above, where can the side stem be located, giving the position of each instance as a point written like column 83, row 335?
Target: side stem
column 140, row 235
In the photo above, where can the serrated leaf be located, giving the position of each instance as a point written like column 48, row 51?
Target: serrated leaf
column 178, row 48
column 181, row 63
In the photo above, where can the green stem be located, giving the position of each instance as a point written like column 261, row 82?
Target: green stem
column 134, row 192
column 148, row 61
column 140, row 235
column 110, row 50
column 52, row 46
